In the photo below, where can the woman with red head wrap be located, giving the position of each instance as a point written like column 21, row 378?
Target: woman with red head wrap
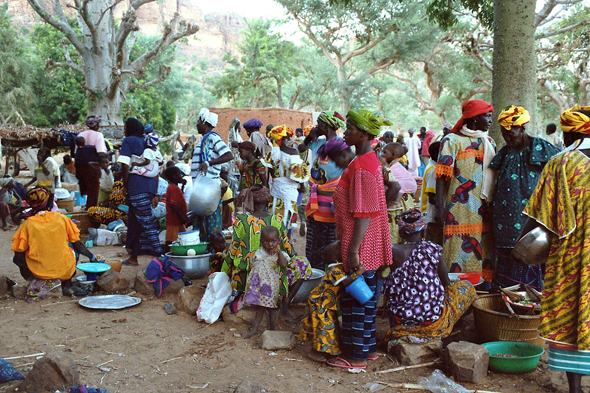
column 463, row 190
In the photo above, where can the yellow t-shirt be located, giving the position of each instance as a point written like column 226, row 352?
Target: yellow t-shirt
column 229, row 195
column 44, row 240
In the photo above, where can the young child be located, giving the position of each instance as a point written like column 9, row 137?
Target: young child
column 219, row 248
column 428, row 197
column 67, row 170
column 320, row 321
column 252, row 170
column 176, row 207
column 106, row 178
column 262, row 286
column 149, row 163
column 227, row 205
column 10, row 201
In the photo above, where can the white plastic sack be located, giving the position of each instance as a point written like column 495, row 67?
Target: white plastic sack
column 216, row 296
column 205, row 195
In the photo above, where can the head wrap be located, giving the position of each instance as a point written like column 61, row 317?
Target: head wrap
column 513, row 116
column 388, row 133
column 333, row 119
column 261, row 195
column 249, row 196
column 253, row 124
column 5, row 180
column 152, row 139
column 37, row 198
column 149, row 128
column 334, row 145
column 367, row 120
column 93, row 121
column 307, row 130
column 573, row 121
column 208, row 117
column 411, row 221
column 247, row 146
column 277, row 134
column 134, row 127
column 471, row 109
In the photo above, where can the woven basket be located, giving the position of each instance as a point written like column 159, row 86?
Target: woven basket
column 67, row 204
column 493, row 322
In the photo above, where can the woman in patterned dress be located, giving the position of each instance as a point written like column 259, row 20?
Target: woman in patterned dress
column 464, row 187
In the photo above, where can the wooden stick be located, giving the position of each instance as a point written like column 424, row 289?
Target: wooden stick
column 169, row 360
column 420, row 387
column 102, row 364
column 392, row 370
column 25, row 356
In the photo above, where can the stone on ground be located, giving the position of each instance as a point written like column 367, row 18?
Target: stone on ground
column 245, row 315
column 112, row 281
column 169, row 308
column 468, row 362
column 19, row 291
column 188, row 299
column 277, row 339
column 51, row 373
column 411, row 354
column 145, row 288
column 249, row 386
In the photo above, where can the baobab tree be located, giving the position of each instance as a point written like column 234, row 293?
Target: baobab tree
column 103, row 46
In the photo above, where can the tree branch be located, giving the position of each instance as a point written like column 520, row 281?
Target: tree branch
column 162, row 75
column 381, row 65
column 59, row 24
column 560, row 31
column 306, row 29
column 545, row 12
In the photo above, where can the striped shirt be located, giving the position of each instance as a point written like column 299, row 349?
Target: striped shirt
column 215, row 147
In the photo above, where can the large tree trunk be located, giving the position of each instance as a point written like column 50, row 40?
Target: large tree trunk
column 514, row 79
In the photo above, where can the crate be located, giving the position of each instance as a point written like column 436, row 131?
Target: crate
column 85, row 221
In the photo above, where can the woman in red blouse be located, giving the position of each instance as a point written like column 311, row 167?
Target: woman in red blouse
column 361, row 218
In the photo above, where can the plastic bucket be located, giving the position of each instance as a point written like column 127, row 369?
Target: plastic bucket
column 189, row 238
column 360, row 290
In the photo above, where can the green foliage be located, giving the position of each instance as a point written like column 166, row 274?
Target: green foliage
column 442, row 12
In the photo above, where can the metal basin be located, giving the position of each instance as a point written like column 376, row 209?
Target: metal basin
column 196, row 266
column 533, row 248
column 308, row 285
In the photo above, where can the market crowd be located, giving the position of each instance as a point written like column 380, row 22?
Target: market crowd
column 394, row 213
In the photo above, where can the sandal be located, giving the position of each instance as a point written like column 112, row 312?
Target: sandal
column 346, row 364
column 127, row 263
column 374, row 357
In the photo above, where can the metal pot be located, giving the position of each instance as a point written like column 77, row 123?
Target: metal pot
column 308, row 286
column 196, row 266
column 533, row 248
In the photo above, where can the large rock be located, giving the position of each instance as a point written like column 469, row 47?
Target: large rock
column 245, row 315
column 188, row 299
column 467, row 362
column 145, row 288
column 51, row 373
column 410, row 354
column 277, row 339
column 249, row 386
column 3, row 286
column 112, row 281
column 19, row 291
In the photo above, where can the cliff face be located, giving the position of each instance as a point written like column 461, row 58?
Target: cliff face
column 218, row 33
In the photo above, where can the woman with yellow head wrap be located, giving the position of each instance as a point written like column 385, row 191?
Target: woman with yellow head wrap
column 277, row 134
column 561, row 204
column 518, row 166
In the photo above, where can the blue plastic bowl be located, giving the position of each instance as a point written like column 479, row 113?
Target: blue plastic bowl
column 360, row 290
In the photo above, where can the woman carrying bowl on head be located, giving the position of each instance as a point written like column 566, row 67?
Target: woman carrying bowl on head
column 561, row 204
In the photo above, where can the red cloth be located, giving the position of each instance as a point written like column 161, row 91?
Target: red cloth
column 426, row 142
column 360, row 193
column 471, row 109
column 175, row 197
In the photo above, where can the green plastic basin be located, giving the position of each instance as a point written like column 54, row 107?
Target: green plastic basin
column 179, row 250
column 528, row 356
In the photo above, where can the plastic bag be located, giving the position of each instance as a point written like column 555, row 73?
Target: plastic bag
column 205, row 195
column 216, row 295
column 439, row 383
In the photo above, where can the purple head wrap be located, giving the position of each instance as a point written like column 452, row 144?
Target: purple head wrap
column 334, row 145
column 411, row 221
column 253, row 124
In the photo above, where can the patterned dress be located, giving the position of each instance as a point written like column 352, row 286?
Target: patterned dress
column 561, row 203
column 105, row 214
column 467, row 246
column 262, row 287
column 414, row 290
column 251, row 173
column 245, row 242
column 518, row 173
column 320, row 323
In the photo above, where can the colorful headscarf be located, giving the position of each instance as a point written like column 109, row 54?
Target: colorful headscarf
column 93, row 121
column 573, row 121
column 307, row 130
column 247, row 146
column 37, row 198
column 334, row 145
column 333, row 119
column 471, row 109
column 387, row 133
column 253, row 124
column 208, row 117
column 411, row 221
column 277, row 134
column 513, row 116
column 152, row 139
column 367, row 121
column 149, row 128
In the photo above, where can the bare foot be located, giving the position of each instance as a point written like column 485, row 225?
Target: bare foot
column 316, row 356
column 251, row 333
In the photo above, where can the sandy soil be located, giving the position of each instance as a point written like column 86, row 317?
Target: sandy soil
column 142, row 349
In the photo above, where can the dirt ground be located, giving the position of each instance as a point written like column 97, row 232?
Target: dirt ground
column 142, row 349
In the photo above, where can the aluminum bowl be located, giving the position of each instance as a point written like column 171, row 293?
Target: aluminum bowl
column 533, row 248
column 308, row 285
column 196, row 266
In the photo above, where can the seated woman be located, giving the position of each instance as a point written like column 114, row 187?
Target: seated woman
column 421, row 302
column 10, row 201
column 246, row 240
column 109, row 210
column 41, row 249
